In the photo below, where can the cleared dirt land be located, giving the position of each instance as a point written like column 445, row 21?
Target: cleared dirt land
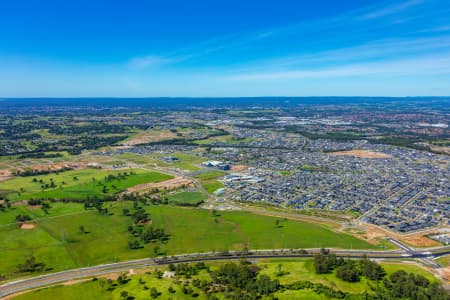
column 360, row 153
column 416, row 239
column 149, row 136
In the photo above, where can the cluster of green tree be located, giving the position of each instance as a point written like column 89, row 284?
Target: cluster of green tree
column 403, row 285
column 40, row 155
column 119, row 176
column 241, row 281
column 122, row 280
column 141, row 232
column 337, row 136
column 318, row 288
column 72, row 145
column 399, row 285
column 31, row 266
column 187, row 270
column 147, row 234
column 34, row 172
column 5, row 205
column 96, row 203
column 45, row 206
column 23, row 218
column 146, row 198
column 347, row 270
column 45, row 185
column 93, row 128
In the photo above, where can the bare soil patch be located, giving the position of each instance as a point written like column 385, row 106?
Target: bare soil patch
column 167, row 185
column 361, row 153
column 27, row 226
column 149, row 136
column 414, row 239
column 34, row 207
column 5, row 175
column 53, row 167
column 238, row 168
column 420, row 241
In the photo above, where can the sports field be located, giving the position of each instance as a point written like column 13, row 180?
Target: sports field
column 58, row 241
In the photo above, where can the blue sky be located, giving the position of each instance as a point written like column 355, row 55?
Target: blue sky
column 224, row 48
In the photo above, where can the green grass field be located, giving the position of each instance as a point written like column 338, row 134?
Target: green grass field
column 301, row 269
column 444, row 260
column 211, row 185
column 208, row 180
column 187, row 198
column 77, row 184
column 210, row 175
column 58, row 241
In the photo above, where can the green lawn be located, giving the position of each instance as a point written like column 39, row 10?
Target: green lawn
column 211, row 185
column 444, row 260
column 210, row 175
column 58, row 241
column 187, row 198
column 77, row 184
column 207, row 180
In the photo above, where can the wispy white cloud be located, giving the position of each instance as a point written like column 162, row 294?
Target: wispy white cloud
column 427, row 65
column 150, row 61
column 444, row 28
column 390, row 9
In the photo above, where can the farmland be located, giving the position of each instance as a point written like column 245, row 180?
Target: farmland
column 58, row 241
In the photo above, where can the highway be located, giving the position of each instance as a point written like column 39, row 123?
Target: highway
column 74, row 274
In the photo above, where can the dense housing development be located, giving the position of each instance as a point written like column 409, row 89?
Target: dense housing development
column 166, row 183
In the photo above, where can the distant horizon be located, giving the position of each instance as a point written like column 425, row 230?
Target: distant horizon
column 215, row 97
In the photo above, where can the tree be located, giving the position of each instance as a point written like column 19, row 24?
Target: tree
column 371, row 269
column 124, row 294
column 348, row 272
column 122, row 279
column 134, row 244
column 23, row 218
column 325, row 263
column 31, row 265
column 154, row 293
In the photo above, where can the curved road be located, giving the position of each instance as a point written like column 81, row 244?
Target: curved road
column 54, row 278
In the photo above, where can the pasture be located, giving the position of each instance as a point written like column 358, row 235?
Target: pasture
column 58, row 241
column 77, row 184
column 186, row 198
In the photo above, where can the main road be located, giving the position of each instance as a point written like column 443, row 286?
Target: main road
column 74, row 274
